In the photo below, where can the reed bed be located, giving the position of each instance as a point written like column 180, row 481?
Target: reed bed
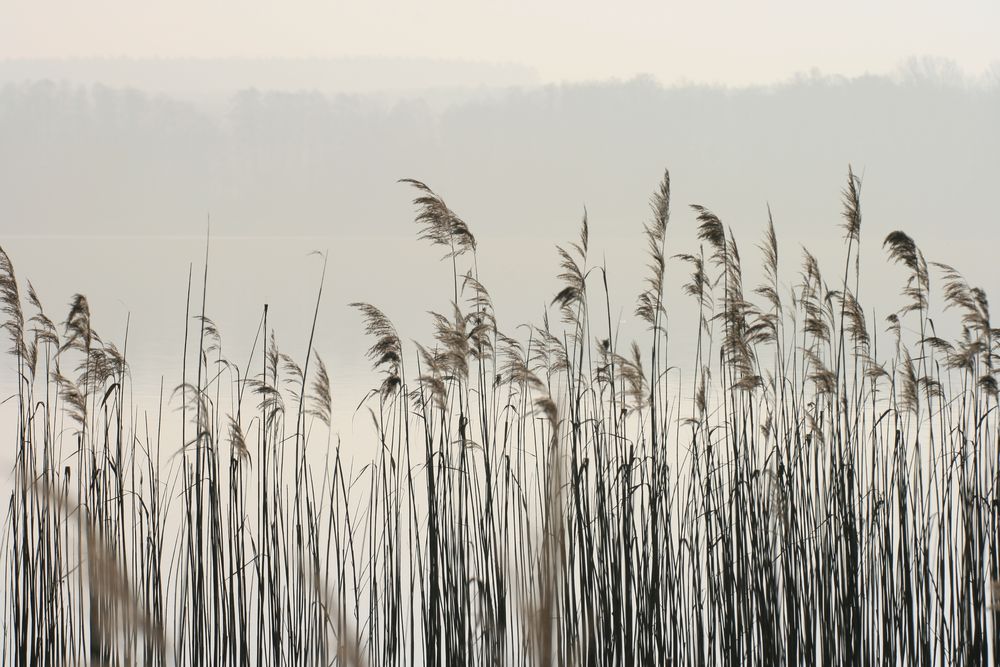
column 819, row 486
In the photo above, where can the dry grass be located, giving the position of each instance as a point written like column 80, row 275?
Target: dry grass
column 812, row 490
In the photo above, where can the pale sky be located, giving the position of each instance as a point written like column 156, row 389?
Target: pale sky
column 718, row 42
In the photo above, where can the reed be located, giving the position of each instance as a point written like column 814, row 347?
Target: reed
column 806, row 488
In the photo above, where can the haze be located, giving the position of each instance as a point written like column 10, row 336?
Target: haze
column 124, row 127
column 720, row 42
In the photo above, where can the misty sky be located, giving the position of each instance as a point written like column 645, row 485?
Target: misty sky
column 290, row 123
column 719, row 42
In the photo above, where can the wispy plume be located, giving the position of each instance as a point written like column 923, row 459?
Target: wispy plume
column 438, row 223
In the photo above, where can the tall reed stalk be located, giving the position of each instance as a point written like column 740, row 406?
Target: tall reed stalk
column 803, row 488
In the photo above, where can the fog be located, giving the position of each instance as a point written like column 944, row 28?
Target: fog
column 111, row 190
column 723, row 41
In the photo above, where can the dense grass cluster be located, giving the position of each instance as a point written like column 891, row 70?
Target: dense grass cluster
column 813, row 489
